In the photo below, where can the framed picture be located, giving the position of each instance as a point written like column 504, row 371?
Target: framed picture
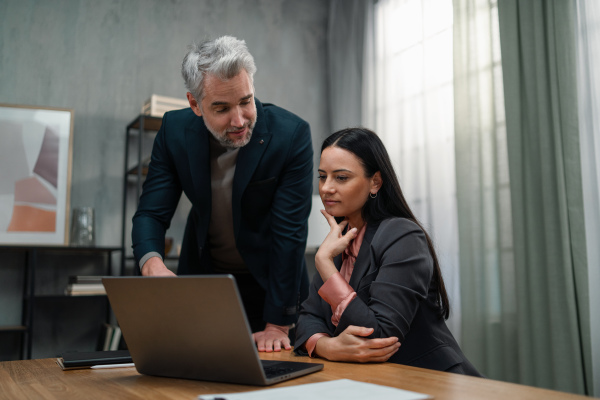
column 35, row 160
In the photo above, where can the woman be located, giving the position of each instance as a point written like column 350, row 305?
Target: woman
column 379, row 294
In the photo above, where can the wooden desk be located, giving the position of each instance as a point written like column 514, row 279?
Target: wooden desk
column 43, row 378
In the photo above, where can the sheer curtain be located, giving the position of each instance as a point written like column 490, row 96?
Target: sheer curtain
column 410, row 106
column 438, row 97
column 538, row 42
column 483, row 192
column 345, row 39
column 588, row 77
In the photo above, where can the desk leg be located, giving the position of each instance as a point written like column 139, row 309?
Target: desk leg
column 30, row 261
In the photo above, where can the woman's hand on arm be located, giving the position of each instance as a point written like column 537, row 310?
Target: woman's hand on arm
column 333, row 245
column 353, row 345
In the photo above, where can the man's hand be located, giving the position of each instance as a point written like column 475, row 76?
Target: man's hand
column 272, row 338
column 156, row 267
column 353, row 346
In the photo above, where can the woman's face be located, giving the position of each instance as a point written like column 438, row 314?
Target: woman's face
column 343, row 186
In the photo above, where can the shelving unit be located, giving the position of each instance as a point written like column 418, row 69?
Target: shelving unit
column 141, row 131
column 139, row 138
column 45, row 272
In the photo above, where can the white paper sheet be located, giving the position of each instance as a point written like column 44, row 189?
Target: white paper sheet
column 339, row 389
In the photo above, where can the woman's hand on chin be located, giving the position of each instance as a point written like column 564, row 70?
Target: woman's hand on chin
column 353, row 345
column 333, row 245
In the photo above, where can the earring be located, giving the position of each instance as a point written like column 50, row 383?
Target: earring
column 372, row 196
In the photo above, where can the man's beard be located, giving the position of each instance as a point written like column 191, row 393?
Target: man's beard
column 226, row 141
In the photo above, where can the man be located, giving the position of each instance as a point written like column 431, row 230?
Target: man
column 246, row 167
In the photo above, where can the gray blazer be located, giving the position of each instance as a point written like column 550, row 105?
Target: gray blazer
column 392, row 278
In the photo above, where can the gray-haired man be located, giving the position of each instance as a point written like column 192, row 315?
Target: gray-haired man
column 247, row 169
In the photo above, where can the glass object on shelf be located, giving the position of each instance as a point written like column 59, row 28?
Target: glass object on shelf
column 82, row 227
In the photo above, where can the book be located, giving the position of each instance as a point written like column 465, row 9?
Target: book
column 110, row 338
column 82, row 285
column 89, row 359
column 85, row 279
column 106, row 332
column 84, row 289
column 157, row 106
column 116, row 339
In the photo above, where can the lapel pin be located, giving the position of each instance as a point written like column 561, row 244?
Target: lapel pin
column 261, row 142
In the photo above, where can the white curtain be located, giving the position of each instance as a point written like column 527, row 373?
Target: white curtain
column 433, row 90
column 345, row 38
column 588, row 76
column 483, row 187
column 409, row 104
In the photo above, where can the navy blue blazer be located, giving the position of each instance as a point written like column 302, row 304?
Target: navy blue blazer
column 271, row 201
column 392, row 278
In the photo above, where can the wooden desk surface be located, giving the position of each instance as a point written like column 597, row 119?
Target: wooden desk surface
column 43, row 378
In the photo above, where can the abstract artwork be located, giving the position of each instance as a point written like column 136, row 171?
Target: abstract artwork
column 35, row 174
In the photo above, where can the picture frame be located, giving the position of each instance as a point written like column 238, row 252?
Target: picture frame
column 35, row 184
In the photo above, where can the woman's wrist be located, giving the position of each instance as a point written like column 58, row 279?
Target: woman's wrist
column 324, row 266
column 321, row 256
column 321, row 347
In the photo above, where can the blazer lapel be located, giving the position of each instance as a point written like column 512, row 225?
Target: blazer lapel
column 247, row 161
column 196, row 138
column 363, row 260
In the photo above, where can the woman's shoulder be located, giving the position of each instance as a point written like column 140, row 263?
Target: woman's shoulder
column 402, row 238
column 393, row 229
column 398, row 225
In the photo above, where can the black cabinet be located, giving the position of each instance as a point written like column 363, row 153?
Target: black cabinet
column 39, row 320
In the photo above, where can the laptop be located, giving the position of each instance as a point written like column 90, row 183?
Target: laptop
column 193, row 327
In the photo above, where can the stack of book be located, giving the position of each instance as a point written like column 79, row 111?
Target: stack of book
column 157, row 106
column 85, row 286
column 110, row 338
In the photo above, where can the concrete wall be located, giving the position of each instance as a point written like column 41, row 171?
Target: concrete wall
column 105, row 58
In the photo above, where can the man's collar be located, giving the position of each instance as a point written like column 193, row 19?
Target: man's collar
column 261, row 124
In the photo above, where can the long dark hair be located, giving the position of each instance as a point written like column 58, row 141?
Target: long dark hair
column 390, row 201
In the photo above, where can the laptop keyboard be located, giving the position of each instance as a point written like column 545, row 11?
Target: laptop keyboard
column 273, row 369
column 277, row 371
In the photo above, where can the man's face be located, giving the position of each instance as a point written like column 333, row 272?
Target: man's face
column 228, row 109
